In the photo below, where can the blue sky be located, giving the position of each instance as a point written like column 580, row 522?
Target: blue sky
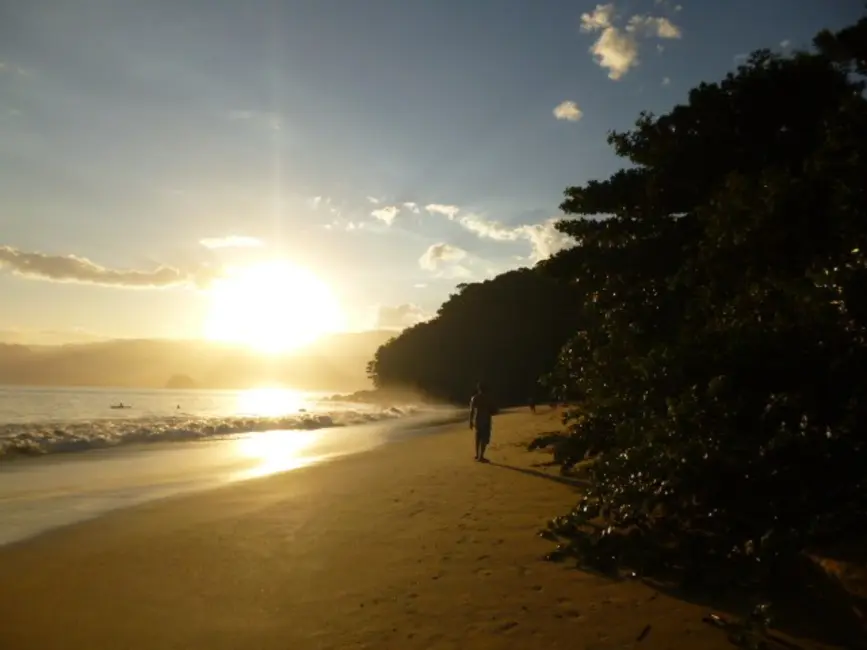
column 393, row 147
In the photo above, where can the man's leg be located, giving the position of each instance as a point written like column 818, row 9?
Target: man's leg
column 484, row 439
column 478, row 443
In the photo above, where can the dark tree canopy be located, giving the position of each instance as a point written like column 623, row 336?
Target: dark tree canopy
column 505, row 332
column 721, row 349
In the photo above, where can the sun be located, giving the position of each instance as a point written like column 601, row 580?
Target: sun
column 271, row 306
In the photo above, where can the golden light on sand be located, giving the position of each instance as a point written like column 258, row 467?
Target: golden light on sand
column 271, row 306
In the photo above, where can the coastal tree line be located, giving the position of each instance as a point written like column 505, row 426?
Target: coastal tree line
column 709, row 326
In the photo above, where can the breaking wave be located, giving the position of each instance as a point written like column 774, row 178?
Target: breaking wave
column 40, row 438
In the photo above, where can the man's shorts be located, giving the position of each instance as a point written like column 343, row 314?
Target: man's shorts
column 483, row 434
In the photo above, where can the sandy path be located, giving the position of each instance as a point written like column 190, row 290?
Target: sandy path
column 409, row 546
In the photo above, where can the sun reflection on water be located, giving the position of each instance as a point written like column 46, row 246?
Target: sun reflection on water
column 269, row 402
column 278, row 451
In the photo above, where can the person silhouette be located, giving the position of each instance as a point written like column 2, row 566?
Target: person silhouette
column 481, row 416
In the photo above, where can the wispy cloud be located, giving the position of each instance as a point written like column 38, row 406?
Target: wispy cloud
column 398, row 317
column 373, row 200
column 323, row 203
column 666, row 81
column 653, row 26
column 568, row 111
column 446, row 210
column 232, row 241
column 616, row 49
column 71, row 268
column 544, row 238
column 386, row 214
column 412, row 207
column 268, row 119
column 785, row 44
column 436, row 254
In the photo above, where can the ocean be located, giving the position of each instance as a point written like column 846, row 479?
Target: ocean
column 67, row 456
column 39, row 421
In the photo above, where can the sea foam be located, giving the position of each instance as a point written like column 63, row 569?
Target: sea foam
column 40, row 438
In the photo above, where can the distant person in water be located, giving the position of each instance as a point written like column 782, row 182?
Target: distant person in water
column 481, row 414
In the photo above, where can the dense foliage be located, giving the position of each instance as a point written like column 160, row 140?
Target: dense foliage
column 505, row 332
column 721, row 352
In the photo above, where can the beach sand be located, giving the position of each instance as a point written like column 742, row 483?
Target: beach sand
column 412, row 545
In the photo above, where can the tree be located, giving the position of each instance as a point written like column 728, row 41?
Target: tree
column 506, row 331
column 722, row 350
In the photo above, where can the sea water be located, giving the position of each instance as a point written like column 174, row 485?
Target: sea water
column 66, row 456
column 39, row 421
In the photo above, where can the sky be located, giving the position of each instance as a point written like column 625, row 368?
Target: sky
column 392, row 148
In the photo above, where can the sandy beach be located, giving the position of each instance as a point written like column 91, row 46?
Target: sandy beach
column 411, row 545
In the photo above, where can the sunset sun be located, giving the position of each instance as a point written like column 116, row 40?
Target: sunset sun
column 271, row 306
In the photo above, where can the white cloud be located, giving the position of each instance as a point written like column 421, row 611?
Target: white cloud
column 315, row 202
column 785, row 44
column 420, row 285
column 653, row 26
column 544, row 238
column 617, row 49
column 398, row 317
column 373, row 200
column 232, row 241
column 436, row 254
column 568, row 111
column 446, row 210
column 598, row 19
column 412, row 207
column 387, row 214
column 71, row 268
column 666, row 81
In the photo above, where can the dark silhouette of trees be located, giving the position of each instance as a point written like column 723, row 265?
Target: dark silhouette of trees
column 505, row 332
column 721, row 351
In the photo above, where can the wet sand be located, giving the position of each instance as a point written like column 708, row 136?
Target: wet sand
column 411, row 545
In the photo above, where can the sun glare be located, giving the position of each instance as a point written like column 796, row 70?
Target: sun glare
column 271, row 306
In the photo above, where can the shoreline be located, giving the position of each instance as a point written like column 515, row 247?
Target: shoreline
column 409, row 545
column 62, row 489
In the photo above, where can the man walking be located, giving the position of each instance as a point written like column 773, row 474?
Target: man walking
column 481, row 414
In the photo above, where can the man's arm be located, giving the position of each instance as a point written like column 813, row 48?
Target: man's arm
column 472, row 411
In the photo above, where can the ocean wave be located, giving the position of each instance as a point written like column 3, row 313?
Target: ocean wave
column 38, row 439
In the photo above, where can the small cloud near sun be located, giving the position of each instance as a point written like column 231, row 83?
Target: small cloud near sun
column 568, row 111
column 387, row 214
column 436, row 254
column 232, row 241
